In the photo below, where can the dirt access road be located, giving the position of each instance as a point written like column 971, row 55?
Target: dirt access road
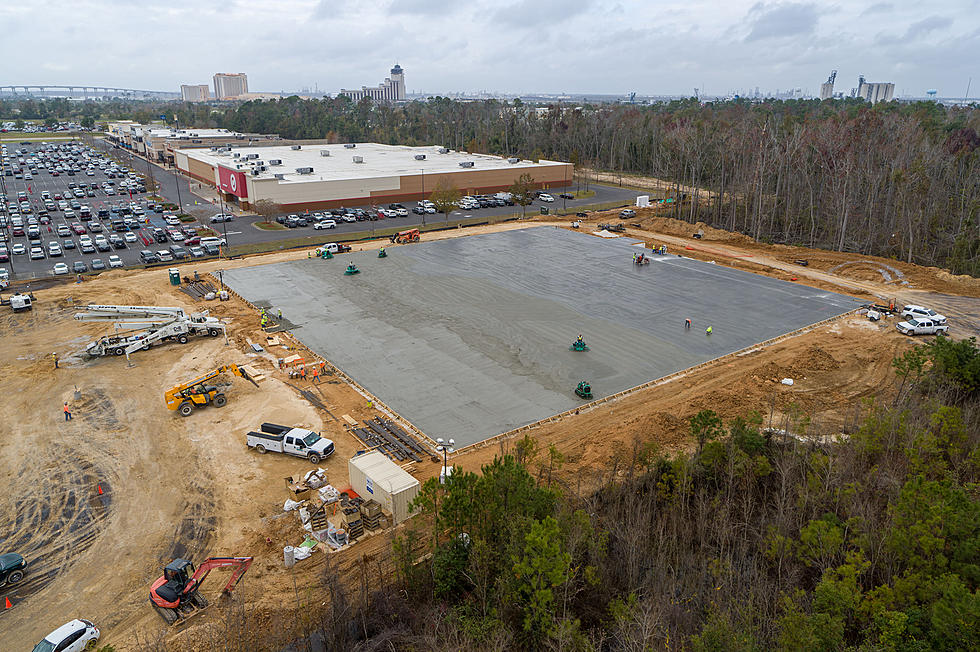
column 99, row 504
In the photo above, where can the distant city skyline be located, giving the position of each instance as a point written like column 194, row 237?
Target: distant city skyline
column 664, row 47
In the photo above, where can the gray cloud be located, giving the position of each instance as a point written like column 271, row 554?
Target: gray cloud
column 877, row 8
column 425, row 7
column 532, row 14
column 930, row 24
column 781, row 20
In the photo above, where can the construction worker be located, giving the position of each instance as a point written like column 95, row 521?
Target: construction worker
column 264, row 321
column 67, row 412
column 54, row 356
column 309, row 255
column 707, row 331
column 279, row 314
column 687, row 323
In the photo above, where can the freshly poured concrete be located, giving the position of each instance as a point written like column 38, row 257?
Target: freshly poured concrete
column 469, row 337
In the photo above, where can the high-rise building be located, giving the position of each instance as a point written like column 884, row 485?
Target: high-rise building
column 392, row 89
column 827, row 88
column 875, row 92
column 195, row 92
column 230, row 85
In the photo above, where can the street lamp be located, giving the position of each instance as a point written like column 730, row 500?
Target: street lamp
column 446, row 448
column 423, row 198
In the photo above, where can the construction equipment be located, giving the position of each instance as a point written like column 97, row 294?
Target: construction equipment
column 175, row 594
column 19, row 302
column 147, row 325
column 351, row 270
column 584, row 390
column 579, row 345
column 411, row 235
column 615, row 228
column 197, row 393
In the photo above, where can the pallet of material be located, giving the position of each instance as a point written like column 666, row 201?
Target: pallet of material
column 254, row 373
column 406, row 440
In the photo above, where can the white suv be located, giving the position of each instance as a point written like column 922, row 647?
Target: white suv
column 919, row 312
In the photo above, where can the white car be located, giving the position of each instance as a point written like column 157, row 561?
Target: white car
column 129, row 236
column 347, row 217
column 114, row 261
column 546, row 197
column 917, row 312
column 172, row 220
column 165, row 256
column 79, row 634
column 325, row 224
column 60, row 269
column 222, row 217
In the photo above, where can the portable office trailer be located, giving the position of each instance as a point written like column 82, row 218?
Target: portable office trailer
column 372, row 475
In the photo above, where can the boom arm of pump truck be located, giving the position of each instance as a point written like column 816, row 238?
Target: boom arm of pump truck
column 240, row 564
column 214, row 373
column 97, row 312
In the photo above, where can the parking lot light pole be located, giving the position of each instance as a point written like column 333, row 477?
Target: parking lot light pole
column 445, row 449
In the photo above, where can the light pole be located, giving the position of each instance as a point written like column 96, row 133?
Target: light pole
column 446, row 448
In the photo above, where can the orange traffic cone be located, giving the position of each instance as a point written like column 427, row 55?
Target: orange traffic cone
column 100, row 489
column 7, row 604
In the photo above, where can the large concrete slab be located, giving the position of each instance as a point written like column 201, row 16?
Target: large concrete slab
column 469, row 337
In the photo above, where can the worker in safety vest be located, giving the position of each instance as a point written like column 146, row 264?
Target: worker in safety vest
column 707, row 331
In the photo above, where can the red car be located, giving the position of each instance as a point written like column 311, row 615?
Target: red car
column 191, row 242
column 78, row 228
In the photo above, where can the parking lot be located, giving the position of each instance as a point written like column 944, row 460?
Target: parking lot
column 242, row 230
column 57, row 200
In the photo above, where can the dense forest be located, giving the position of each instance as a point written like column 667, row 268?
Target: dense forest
column 895, row 180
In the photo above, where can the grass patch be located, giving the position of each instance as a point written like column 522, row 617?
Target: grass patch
column 583, row 194
column 269, row 226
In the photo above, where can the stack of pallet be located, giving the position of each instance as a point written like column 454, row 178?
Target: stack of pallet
column 355, row 525
column 371, row 514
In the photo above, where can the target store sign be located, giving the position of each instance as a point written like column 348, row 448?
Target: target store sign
column 232, row 181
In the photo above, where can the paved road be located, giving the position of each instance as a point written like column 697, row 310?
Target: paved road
column 177, row 189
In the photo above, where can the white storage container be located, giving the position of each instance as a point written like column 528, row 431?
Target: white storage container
column 372, row 475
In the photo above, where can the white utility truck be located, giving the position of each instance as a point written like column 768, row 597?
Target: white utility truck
column 291, row 441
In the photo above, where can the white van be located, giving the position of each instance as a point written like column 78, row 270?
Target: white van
column 218, row 242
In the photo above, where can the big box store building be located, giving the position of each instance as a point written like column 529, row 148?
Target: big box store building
column 314, row 176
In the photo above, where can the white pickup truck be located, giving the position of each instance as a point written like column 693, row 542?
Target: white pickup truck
column 922, row 326
column 292, row 441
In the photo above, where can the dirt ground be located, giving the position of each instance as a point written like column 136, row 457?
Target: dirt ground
column 100, row 503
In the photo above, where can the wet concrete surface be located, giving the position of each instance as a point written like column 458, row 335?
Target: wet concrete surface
column 469, row 337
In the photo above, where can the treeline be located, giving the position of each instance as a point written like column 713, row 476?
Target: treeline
column 754, row 541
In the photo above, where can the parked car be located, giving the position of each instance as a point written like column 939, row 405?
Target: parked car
column 222, row 217
column 325, row 224
column 566, row 195
column 78, row 635
column 79, row 267
column 115, row 261
column 922, row 326
column 545, row 197
column 60, row 269
column 165, row 256
column 13, row 567
column 149, row 257
column 916, row 312
column 98, row 263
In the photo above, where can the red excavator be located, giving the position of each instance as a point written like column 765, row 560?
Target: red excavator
column 175, row 595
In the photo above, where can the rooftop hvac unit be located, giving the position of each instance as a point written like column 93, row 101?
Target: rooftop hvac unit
column 195, row 140
column 280, row 177
column 251, row 156
column 237, row 154
column 513, row 160
column 256, row 172
column 194, row 135
column 275, row 161
column 261, row 168
column 350, row 145
column 304, row 170
column 466, row 164
column 215, row 148
column 295, row 147
column 240, row 137
column 324, row 152
column 260, row 162
column 420, row 157
column 443, row 150
column 358, row 159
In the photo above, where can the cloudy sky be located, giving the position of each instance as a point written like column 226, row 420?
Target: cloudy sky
column 581, row 46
